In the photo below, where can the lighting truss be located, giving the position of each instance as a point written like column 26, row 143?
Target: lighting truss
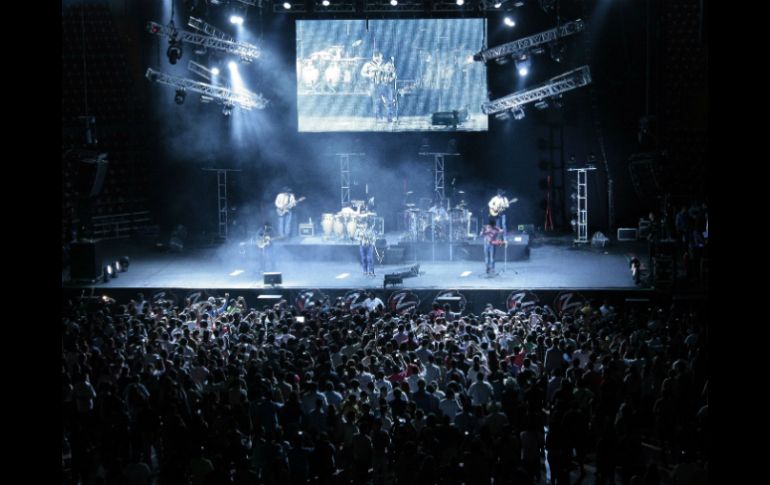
column 296, row 7
column 209, row 29
column 449, row 6
column 200, row 70
column 247, row 52
column 524, row 45
column 384, row 6
column 555, row 86
column 336, row 6
column 242, row 98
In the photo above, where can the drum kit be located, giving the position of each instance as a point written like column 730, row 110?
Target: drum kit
column 438, row 224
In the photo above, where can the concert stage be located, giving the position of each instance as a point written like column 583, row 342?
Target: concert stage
column 543, row 263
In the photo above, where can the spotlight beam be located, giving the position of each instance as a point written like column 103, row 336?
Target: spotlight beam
column 243, row 98
column 522, row 46
column 246, row 51
column 565, row 82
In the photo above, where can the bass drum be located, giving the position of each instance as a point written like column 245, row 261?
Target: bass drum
column 327, row 224
column 339, row 225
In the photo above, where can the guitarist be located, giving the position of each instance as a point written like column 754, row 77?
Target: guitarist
column 265, row 245
column 497, row 206
column 492, row 239
column 284, row 203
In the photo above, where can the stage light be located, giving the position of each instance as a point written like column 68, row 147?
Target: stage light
column 498, row 4
column 236, row 19
column 124, row 263
column 227, row 109
column 325, row 3
column 118, row 267
column 394, row 3
column 522, row 65
column 215, row 71
column 503, row 115
column 180, row 95
column 518, row 113
column 109, row 273
column 174, row 51
column 509, row 22
column 286, row 5
column 460, row 3
column 232, row 65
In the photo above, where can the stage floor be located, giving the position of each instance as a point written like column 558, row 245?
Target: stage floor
column 553, row 264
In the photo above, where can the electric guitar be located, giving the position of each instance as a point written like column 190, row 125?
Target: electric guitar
column 264, row 242
column 496, row 208
column 283, row 210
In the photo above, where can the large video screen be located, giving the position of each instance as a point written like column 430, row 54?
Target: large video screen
column 390, row 75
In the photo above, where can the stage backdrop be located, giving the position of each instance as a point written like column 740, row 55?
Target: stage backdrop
column 425, row 78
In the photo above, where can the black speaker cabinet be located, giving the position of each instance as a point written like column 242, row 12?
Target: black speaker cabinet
column 85, row 260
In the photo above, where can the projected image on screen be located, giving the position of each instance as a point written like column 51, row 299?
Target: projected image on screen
column 390, row 75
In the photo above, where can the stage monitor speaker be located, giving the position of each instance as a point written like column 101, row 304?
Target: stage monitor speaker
column 306, row 229
column 86, row 260
column 526, row 228
column 627, row 234
column 272, row 279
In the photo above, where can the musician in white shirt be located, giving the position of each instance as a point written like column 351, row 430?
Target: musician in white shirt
column 284, row 203
column 497, row 206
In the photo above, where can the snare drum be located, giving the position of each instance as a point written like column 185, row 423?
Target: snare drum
column 351, row 225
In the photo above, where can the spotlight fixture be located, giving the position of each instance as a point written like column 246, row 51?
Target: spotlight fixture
column 286, row 6
column 394, row 3
column 118, row 267
column 124, row 262
column 174, row 51
column 460, row 3
column 215, row 71
column 180, row 95
column 503, row 115
column 522, row 65
column 498, row 4
column 227, row 109
column 108, row 273
column 509, row 22
column 518, row 113
column 236, row 19
column 325, row 3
